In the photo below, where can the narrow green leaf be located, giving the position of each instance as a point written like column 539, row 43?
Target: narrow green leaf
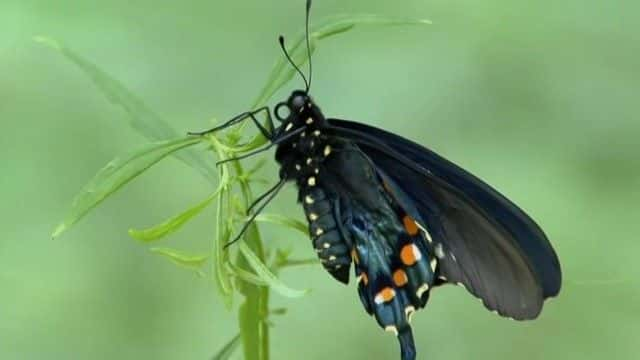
column 283, row 221
column 282, row 72
column 247, row 276
column 221, row 277
column 141, row 118
column 265, row 274
column 117, row 173
column 173, row 224
column 228, row 350
column 192, row 262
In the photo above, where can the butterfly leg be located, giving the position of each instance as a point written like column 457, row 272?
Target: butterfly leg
column 266, row 132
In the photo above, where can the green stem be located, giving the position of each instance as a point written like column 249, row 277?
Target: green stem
column 252, row 312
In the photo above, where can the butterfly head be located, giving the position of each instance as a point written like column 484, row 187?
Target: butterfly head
column 298, row 109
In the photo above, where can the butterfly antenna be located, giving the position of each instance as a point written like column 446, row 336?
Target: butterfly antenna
column 308, row 11
column 284, row 49
column 273, row 192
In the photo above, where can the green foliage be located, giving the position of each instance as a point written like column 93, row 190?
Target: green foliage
column 167, row 227
column 249, row 274
column 192, row 262
column 226, row 352
column 116, row 174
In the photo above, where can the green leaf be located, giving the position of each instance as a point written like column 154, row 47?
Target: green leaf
column 228, row 350
column 266, row 275
column 173, row 224
column 117, row 173
column 192, row 262
column 247, row 276
column 284, row 221
column 282, row 72
column 144, row 120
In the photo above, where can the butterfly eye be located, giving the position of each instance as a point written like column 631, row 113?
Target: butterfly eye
column 282, row 111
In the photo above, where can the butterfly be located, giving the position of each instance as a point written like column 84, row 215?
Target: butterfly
column 406, row 219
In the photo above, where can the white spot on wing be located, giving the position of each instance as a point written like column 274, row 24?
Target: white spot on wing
column 422, row 289
column 433, row 262
column 426, row 233
column 439, row 251
column 409, row 311
column 391, row 329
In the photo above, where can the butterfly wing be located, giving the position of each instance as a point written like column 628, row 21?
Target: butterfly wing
column 485, row 242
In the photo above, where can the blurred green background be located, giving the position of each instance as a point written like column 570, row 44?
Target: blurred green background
column 539, row 98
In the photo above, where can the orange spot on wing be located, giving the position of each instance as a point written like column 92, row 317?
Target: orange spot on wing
column 410, row 225
column 354, row 256
column 410, row 254
column 385, row 295
column 400, row 278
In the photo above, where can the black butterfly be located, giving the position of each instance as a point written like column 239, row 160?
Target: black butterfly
column 408, row 219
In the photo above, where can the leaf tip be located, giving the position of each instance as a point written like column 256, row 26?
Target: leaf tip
column 58, row 230
column 47, row 41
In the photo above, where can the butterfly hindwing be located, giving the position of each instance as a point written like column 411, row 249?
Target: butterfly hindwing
column 487, row 244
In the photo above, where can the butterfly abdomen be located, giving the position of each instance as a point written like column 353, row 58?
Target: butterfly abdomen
column 327, row 239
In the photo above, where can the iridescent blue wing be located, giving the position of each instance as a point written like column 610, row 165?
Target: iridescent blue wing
column 484, row 241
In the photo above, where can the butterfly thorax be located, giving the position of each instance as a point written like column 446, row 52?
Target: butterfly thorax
column 304, row 143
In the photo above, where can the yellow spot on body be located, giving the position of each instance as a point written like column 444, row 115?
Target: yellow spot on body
column 303, row 134
column 288, row 127
column 400, row 278
column 433, row 264
column 391, row 329
column 442, row 278
column 313, row 217
column 308, row 199
column 385, row 295
column 326, row 245
column 332, row 258
column 311, row 181
column 327, row 150
column 319, row 231
column 309, row 161
column 309, row 121
column 410, row 225
column 410, row 254
column 316, row 171
column 422, row 289
column 298, row 167
column 316, row 133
